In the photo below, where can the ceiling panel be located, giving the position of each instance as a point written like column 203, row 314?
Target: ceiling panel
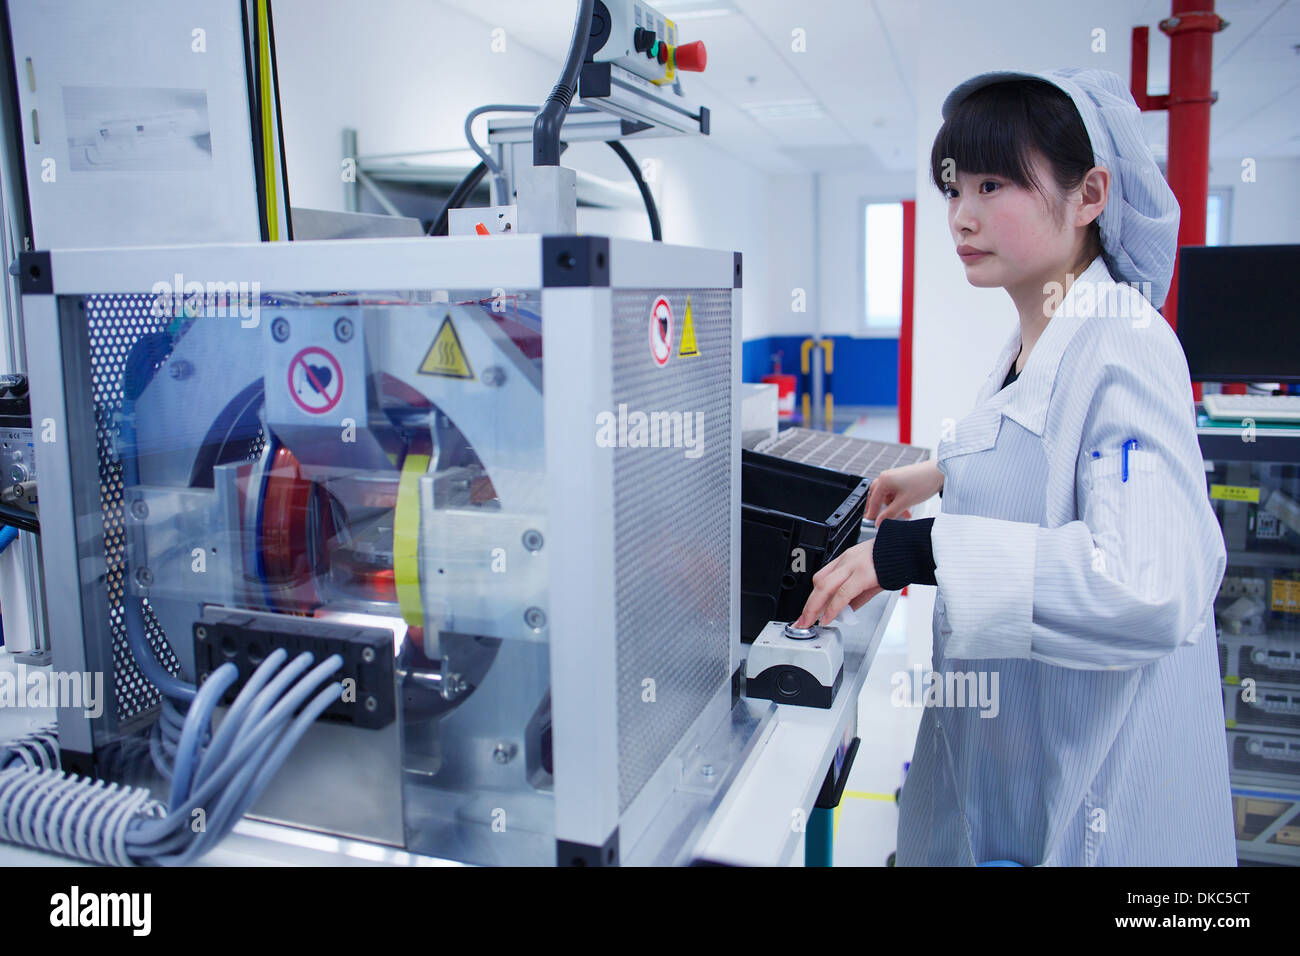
column 859, row 67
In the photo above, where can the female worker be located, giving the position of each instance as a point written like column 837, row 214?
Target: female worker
column 1076, row 554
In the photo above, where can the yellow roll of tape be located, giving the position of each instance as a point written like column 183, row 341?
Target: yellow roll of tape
column 406, row 540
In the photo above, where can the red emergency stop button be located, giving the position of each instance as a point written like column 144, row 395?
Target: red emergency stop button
column 692, row 57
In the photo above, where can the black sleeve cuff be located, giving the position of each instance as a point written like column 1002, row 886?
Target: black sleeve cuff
column 903, row 554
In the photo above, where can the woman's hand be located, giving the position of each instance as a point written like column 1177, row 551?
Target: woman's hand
column 849, row 579
column 899, row 489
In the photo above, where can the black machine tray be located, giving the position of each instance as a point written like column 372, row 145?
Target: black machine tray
column 785, row 506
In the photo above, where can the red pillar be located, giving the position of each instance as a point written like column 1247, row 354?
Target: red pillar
column 1191, row 32
column 1191, row 29
column 905, row 326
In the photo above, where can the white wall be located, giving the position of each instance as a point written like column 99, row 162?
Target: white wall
column 1264, row 211
column 404, row 73
column 791, row 264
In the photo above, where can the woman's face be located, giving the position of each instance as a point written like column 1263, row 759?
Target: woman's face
column 1007, row 235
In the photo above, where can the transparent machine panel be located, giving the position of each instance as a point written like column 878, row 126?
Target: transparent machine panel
column 250, row 473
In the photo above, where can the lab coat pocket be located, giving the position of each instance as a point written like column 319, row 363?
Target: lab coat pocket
column 1121, row 506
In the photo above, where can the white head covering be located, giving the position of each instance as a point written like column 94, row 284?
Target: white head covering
column 1139, row 226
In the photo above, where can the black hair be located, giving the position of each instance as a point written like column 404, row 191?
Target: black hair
column 996, row 129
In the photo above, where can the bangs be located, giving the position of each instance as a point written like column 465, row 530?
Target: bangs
column 991, row 132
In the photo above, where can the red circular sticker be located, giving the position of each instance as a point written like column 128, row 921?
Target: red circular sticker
column 315, row 380
column 661, row 331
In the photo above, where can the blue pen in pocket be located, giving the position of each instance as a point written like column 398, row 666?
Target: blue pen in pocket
column 1131, row 444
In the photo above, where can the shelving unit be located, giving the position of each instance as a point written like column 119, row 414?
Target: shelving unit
column 1259, row 655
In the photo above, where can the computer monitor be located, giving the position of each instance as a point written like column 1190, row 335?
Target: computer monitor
column 1238, row 312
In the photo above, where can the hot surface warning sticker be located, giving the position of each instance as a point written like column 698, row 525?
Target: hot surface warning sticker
column 315, row 380
column 446, row 356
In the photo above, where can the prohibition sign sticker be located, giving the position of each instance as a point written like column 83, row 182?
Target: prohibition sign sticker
column 661, row 331
column 315, row 380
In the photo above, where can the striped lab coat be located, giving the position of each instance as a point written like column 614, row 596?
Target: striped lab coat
column 1090, row 597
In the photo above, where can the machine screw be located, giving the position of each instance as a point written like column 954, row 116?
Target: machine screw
column 143, row 577
column 200, row 633
column 535, row 618
column 367, row 654
column 706, row 770
column 533, row 540
column 452, row 686
column 139, row 509
column 280, row 329
column 494, row 376
column 343, row 329
column 504, row 752
column 180, row 369
column 371, row 703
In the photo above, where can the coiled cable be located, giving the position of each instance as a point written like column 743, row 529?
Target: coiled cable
column 46, row 809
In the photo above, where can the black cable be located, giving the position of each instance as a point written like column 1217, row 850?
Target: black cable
column 252, row 74
column 546, row 128
column 457, row 198
column 461, row 193
column 279, row 122
column 23, row 521
column 651, row 210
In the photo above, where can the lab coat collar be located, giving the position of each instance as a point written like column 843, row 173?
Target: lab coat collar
column 1025, row 400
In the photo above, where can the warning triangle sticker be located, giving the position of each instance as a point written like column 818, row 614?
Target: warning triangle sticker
column 689, row 346
column 446, row 356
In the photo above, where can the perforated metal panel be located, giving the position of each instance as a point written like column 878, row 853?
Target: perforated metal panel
column 842, row 453
column 671, row 531
column 115, row 324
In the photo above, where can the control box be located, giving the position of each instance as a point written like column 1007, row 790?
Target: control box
column 641, row 40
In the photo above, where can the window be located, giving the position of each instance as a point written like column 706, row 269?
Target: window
column 1218, row 212
column 883, row 291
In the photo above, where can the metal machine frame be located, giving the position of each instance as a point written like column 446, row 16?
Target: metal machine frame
column 578, row 279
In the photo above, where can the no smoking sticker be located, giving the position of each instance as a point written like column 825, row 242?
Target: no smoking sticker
column 661, row 331
column 315, row 380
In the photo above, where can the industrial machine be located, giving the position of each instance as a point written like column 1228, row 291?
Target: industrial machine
column 498, row 478
column 432, row 543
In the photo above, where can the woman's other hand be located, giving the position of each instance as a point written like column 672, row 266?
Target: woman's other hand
column 898, row 489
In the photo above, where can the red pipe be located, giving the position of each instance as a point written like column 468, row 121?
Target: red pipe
column 1191, row 29
column 905, row 326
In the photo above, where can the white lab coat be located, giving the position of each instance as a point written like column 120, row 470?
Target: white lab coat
column 1091, row 599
